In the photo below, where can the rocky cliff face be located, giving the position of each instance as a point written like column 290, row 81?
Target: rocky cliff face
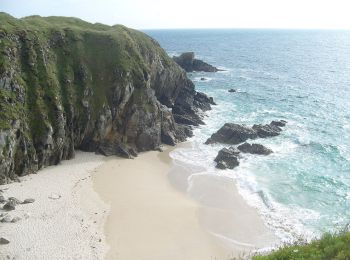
column 66, row 84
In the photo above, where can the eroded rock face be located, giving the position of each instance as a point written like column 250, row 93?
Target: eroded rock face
column 227, row 158
column 237, row 133
column 188, row 62
column 254, row 149
column 107, row 89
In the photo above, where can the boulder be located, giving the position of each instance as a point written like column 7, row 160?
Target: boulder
column 4, row 241
column 227, row 158
column 15, row 200
column 27, row 201
column 232, row 134
column 10, row 205
column 254, row 149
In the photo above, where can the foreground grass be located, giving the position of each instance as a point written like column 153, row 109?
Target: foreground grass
column 328, row 247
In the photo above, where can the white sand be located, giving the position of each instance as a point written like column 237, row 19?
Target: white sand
column 151, row 219
column 146, row 214
column 62, row 228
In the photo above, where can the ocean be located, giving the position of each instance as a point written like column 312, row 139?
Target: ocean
column 301, row 76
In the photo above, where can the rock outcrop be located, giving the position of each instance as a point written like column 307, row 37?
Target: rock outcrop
column 66, row 84
column 227, row 158
column 237, row 133
column 254, row 149
column 188, row 62
column 232, row 134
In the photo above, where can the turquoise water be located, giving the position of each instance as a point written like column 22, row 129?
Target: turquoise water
column 303, row 189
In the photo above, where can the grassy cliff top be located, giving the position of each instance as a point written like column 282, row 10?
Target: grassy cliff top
column 44, row 26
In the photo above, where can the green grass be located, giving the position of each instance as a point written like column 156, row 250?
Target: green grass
column 328, row 247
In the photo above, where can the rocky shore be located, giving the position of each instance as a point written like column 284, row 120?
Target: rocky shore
column 235, row 134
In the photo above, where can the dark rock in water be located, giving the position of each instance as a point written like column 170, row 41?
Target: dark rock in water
column 2, row 199
column 202, row 79
column 10, row 205
column 27, row 201
column 4, row 241
column 232, row 90
column 237, row 133
column 227, row 158
column 232, row 134
column 254, row 149
column 269, row 130
column 280, row 123
column 189, row 63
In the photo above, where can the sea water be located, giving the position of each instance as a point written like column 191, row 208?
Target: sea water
column 301, row 76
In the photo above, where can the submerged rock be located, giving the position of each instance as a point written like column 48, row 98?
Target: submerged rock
column 227, row 158
column 232, row 90
column 188, row 62
column 254, row 149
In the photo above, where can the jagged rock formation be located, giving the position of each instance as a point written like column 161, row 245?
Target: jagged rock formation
column 187, row 61
column 66, row 84
column 231, row 133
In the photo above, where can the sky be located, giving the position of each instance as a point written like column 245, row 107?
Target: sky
column 162, row 14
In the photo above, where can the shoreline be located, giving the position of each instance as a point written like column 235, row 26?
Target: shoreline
column 152, row 217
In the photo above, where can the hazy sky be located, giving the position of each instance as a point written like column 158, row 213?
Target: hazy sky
column 141, row 14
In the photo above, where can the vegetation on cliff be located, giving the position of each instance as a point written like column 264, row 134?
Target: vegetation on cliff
column 66, row 84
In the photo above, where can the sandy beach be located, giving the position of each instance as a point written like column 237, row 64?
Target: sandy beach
column 93, row 207
column 66, row 219
column 151, row 218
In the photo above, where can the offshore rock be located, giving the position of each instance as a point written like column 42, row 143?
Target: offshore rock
column 66, row 84
column 236, row 133
column 232, row 134
column 189, row 63
column 269, row 130
column 254, row 149
column 227, row 158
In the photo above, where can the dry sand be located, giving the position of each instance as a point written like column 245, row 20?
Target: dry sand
column 151, row 218
column 65, row 221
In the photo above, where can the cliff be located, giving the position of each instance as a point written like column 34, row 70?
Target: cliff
column 66, row 84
